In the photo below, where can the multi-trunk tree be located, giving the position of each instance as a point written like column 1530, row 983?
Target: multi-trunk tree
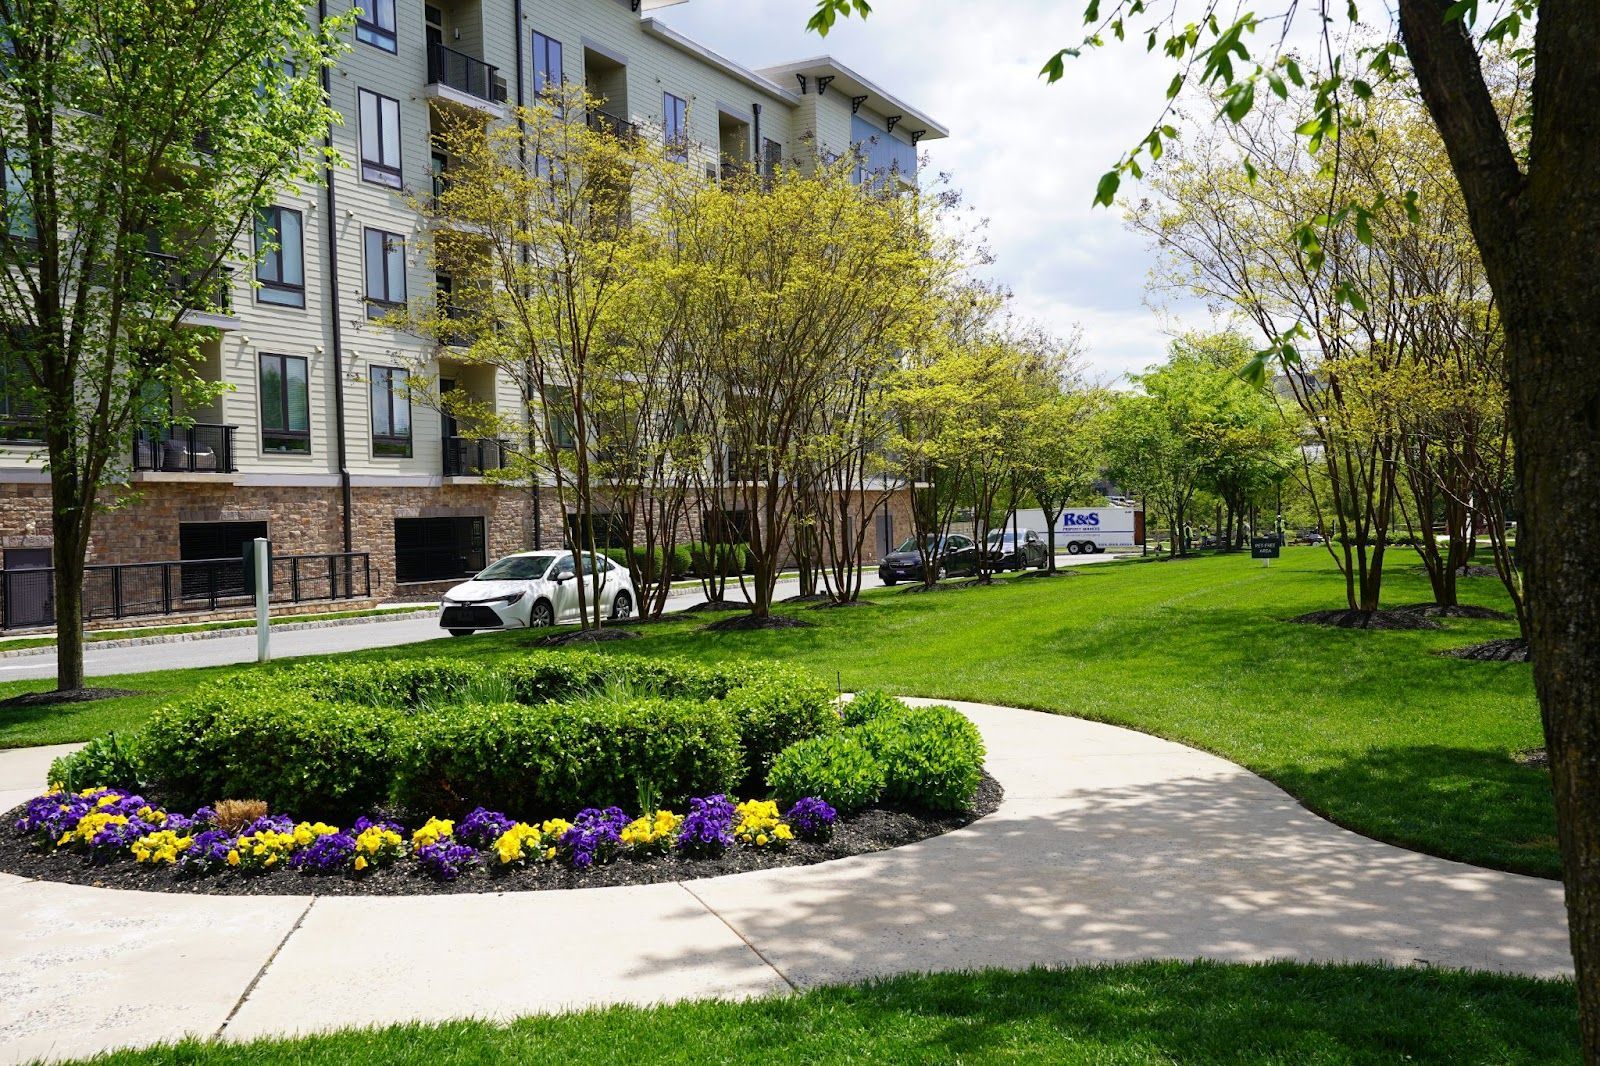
column 140, row 139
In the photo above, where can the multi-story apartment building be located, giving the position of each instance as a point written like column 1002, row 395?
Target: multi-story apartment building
column 314, row 443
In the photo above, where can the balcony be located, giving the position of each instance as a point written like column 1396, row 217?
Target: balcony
column 466, row 457
column 210, row 304
column 196, row 449
column 606, row 122
column 465, row 81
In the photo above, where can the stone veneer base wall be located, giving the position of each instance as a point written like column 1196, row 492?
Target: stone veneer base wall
column 305, row 521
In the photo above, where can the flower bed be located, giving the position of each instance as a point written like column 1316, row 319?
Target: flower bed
column 112, row 837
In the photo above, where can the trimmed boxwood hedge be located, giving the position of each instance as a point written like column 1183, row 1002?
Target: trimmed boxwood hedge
column 323, row 739
column 922, row 757
column 546, row 760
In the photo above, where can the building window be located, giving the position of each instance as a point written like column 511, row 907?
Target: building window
column 380, row 138
column 221, row 547
column 376, row 24
column 547, row 73
column 386, row 272
column 721, row 526
column 612, row 529
column 437, row 549
column 440, row 165
column 675, row 126
column 771, row 157
column 559, row 418
column 18, row 207
column 391, row 412
column 280, row 262
column 19, row 415
column 285, row 404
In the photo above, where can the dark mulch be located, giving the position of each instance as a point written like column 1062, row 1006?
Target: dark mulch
column 1046, row 573
column 829, row 605
column 946, row 585
column 815, row 597
column 1459, row 610
column 1473, row 570
column 1509, row 650
column 1538, row 758
column 77, row 695
column 749, row 621
column 586, row 636
column 874, row 829
column 717, row 605
column 1347, row 619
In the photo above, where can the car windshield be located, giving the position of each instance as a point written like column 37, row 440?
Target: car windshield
column 910, row 544
column 517, row 568
column 996, row 538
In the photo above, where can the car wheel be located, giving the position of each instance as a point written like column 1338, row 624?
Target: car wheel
column 622, row 606
column 541, row 615
column 941, row 573
column 1074, row 548
column 461, row 632
column 888, row 582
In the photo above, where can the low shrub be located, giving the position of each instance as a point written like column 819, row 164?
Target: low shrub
column 535, row 760
column 775, row 711
column 867, row 706
column 104, row 762
column 714, row 560
column 295, row 752
column 837, row 767
column 650, row 562
column 931, row 757
column 918, row 757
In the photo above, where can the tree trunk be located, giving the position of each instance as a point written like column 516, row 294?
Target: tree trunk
column 1537, row 233
column 70, row 525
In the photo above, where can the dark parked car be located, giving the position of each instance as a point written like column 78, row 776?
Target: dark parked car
column 1023, row 549
column 956, row 555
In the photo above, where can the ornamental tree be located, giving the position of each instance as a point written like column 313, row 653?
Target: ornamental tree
column 1531, row 185
column 140, row 139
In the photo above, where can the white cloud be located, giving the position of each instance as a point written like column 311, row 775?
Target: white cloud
column 1027, row 154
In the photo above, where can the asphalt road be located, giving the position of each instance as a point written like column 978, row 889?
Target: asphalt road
column 225, row 651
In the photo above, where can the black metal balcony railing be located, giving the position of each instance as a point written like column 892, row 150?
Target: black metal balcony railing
column 465, row 457
column 465, row 74
column 196, row 449
column 606, row 122
column 131, row 590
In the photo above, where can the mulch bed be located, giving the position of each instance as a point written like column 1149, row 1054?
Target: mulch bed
column 586, row 636
column 717, row 605
column 945, row 586
column 815, row 597
column 874, row 829
column 1460, row 610
column 1348, row 619
column 1538, row 758
column 828, row 604
column 1509, row 650
column 77, row 695
column 750, row 621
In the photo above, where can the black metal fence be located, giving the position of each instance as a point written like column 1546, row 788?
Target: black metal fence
column 199, row 448
column 605, row 122
column 464, row 73
column 464, row 457
column 137, row 590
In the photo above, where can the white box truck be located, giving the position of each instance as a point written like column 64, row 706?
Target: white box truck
column 1089, row 530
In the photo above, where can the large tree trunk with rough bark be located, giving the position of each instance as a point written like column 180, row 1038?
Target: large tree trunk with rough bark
column 1537, row 233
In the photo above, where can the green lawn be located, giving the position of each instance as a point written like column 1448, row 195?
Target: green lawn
column 1140, row 1013
column 1367, row 728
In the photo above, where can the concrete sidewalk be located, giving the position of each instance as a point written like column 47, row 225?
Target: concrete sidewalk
column 1110, row 845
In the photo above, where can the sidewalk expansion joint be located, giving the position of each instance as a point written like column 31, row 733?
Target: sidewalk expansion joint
column 251, row 987
column 743, row 939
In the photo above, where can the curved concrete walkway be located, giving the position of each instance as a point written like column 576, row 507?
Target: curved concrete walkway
column 1110, row 845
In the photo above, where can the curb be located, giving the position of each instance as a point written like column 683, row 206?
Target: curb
column 213, row 634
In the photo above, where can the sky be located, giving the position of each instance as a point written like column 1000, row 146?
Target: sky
column 1026, row 154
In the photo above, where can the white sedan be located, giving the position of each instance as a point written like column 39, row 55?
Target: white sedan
column 533, row 589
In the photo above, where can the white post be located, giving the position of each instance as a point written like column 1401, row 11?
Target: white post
column 263, row 565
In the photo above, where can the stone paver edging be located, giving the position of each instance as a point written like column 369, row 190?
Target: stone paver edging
column 1110, row 845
